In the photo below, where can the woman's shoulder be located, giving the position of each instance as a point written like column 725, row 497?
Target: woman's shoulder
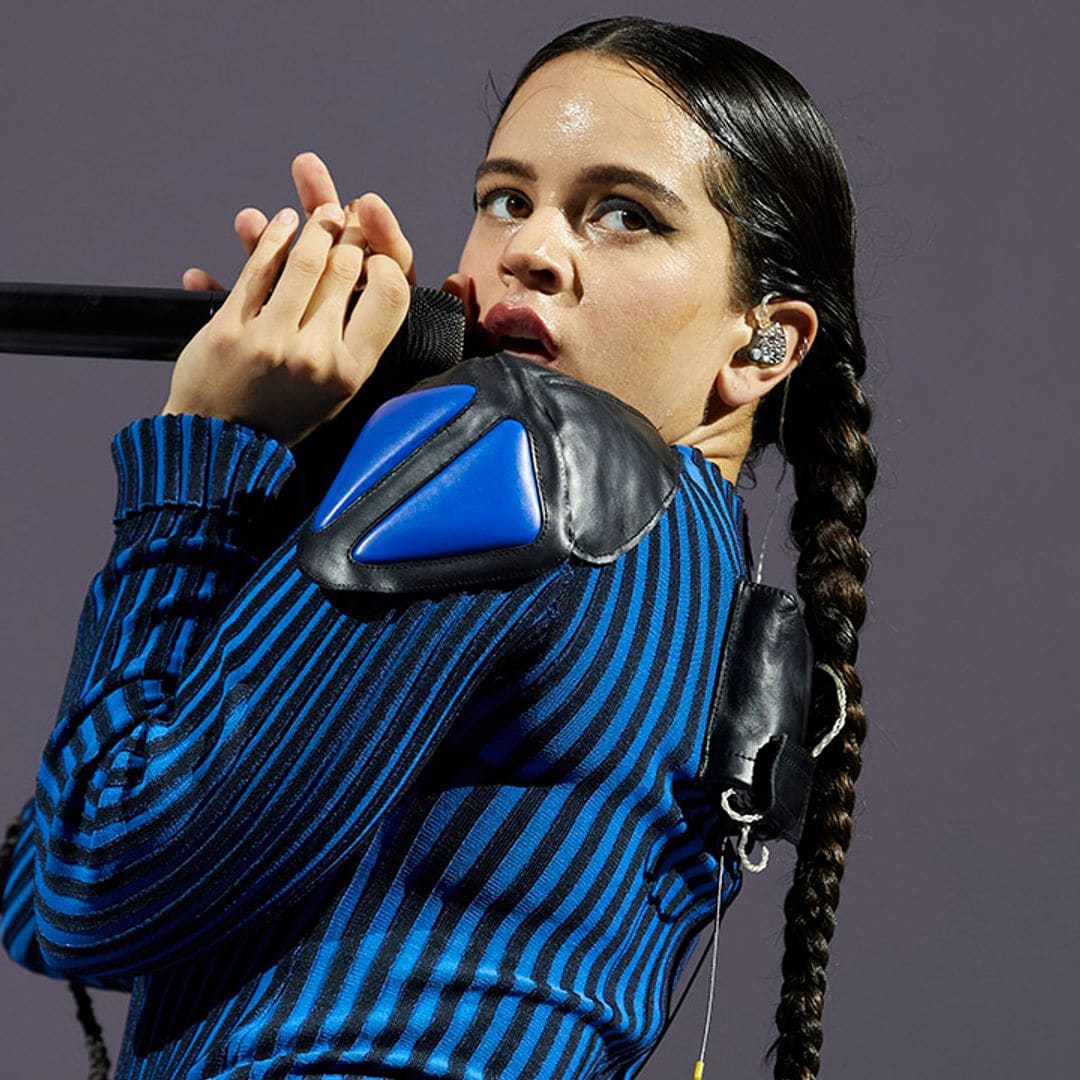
column 497, row 469
column 714, row 493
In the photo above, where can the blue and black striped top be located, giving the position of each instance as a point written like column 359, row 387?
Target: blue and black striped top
column 447, row 836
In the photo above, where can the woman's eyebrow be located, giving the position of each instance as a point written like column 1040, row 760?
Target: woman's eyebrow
column 596, row 174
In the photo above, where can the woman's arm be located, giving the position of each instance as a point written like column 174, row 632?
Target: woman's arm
column 219, row 750
column 209, row 485
column 221, row 583
column 210, row 766
column 19, row 925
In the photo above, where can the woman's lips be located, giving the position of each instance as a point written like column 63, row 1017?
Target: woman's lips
column 517, row 329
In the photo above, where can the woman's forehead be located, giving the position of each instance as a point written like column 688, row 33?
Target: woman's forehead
column 583, row 106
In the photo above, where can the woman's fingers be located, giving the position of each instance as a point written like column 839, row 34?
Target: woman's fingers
column 379, row 312
column 314, row 184
column 303, row 270
column 280, row 355
column 314, row 187
column 196, row 280
column 344, row 264
column 258, row 274
column 249, row 224
column 383, row 233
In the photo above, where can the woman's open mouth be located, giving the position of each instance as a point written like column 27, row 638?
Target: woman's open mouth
column 518, row 330
column 530, row 348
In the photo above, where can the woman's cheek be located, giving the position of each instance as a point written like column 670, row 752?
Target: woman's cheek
column 665, row 315
column 654, row 310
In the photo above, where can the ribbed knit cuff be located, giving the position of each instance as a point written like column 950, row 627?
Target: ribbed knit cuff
column 184, row 460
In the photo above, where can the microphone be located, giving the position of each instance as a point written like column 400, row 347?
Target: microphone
column 128, row 323
column 132, row 323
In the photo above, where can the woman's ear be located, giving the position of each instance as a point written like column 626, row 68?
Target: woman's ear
column 740, row 381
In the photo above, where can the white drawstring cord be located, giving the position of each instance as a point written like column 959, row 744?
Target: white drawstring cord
column 744, row 833
column 841, row 714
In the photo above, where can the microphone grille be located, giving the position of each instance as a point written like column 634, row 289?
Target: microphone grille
column 433, row 335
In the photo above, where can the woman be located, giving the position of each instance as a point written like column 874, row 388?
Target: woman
column 455, row 832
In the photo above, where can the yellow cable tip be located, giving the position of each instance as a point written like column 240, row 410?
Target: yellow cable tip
column 699, row 1070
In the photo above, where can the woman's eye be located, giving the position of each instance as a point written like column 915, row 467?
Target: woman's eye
column 502, row 199
column 630, row 216
column 625, row 215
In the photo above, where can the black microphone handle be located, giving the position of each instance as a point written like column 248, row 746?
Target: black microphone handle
column 130, row 323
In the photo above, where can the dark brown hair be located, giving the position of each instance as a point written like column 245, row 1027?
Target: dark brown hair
column 779, row 179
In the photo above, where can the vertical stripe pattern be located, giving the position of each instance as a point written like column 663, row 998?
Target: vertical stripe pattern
column 449, row 836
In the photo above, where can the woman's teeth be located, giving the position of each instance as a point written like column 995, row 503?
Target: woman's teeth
column 530, row 346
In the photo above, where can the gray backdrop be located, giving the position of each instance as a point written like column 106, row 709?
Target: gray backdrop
column 129, row 136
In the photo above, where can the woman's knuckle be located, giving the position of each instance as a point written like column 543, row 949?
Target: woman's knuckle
column 347, row 376
column 389, row 280
column 263, row 349
column 307, row 365
column 265, row 358
column 307, row 263
column 345, row 264
column 223, row 338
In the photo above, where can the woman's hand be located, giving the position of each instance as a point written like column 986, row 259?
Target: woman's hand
column 314, row 187
column 288, row 364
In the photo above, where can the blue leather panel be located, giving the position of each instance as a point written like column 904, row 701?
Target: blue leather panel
column 391, row 434
column 486, row 498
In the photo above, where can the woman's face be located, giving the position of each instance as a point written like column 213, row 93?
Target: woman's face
column 592, row 215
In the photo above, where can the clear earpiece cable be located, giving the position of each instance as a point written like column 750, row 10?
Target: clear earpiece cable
column 699, row 1065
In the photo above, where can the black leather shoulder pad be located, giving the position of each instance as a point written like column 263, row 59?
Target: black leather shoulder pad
column 492, row 471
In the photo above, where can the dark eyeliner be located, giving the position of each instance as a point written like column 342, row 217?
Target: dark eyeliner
column 618, row 202
column 622, row 203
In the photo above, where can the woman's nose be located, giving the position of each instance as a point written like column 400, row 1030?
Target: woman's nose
column 537, row 253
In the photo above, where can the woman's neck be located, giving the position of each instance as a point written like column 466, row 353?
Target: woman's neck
column 724, row 441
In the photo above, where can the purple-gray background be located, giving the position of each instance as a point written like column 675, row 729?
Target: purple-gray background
column 131, row 133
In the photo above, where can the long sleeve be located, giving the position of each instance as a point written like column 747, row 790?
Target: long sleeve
column 19, row 923
column 220, row 750
column 168, row 483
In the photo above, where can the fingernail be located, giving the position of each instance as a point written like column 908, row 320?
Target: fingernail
column 287, row 216
column 332, row 211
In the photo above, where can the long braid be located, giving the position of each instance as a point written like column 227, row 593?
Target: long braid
column 835, row 467
column 93, row 1037
column 95, row 1040
column 7, row 851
